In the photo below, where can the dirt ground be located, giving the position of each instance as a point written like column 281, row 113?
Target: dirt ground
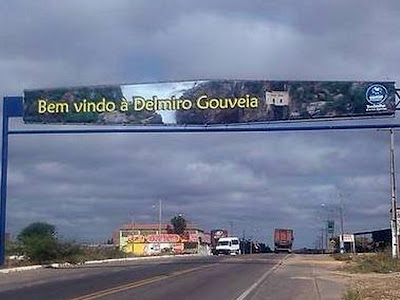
column 376, row 286
column 371, row 286
column 368, row 286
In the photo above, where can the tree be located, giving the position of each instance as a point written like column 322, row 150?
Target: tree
column 179, row 224
column 13, row 248
column 38, row 229
column 39, row 242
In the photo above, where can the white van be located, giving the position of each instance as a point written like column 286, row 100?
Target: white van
column 228, row 245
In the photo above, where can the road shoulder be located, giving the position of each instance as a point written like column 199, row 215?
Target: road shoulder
column 304, row 277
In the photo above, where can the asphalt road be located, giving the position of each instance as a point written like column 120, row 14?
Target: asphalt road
column 233, row 278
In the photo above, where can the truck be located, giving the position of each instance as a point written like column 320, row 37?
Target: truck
column 216, row 234
column 283, row 240
column 228, row 246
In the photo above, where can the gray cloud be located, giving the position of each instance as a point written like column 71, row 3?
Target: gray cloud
column 95, row 183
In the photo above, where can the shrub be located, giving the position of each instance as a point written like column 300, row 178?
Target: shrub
column 381, row 262
column 353, row 294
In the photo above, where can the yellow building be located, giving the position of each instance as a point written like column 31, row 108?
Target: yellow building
column 122, row 234
column 154, row 244
column 135, row 245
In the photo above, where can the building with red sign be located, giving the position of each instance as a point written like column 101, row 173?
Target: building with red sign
column 150, row 232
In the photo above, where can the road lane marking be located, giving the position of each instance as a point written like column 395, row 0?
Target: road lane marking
column 318, row 292
column 260, row 280
column 136, row 284
column 120, row 288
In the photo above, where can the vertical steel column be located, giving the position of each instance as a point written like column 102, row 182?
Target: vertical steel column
column 4, row 162
column 12, row 107
column 395, row 243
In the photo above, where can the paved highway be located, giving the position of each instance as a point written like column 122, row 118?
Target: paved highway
column 235, row 278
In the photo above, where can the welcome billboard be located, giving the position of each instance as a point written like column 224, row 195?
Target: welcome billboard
column 209, row 102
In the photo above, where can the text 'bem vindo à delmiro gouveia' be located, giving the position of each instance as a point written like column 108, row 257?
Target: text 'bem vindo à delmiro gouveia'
column 141, row 103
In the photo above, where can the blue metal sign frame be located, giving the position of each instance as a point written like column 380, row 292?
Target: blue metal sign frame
column 13, row 107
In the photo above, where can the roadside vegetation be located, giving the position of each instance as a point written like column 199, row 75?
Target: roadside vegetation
column 374, row 275
column 39, row 243
column 343, row 257
column 380, row 262
column 353, row 294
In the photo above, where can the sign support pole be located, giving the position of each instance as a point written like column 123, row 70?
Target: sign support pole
column 12, row 107
column 395, row 244
column 4, row 164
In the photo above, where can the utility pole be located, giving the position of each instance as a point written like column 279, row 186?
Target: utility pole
column 326, row 234
column 159, row 223
column 395, row 237
column 159, row 216
column 133, row 234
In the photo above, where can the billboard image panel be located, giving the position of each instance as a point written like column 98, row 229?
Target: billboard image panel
column 209, row 102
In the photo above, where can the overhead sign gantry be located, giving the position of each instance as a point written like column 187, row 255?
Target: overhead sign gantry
column 197, row 106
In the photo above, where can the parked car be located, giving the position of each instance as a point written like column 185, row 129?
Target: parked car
column 228, row 246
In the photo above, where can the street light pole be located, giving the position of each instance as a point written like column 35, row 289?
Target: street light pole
column 322, row 241
column 334, row 210
column 324, row 232
column 341, row 224
column 395, row 237
column 326, row 235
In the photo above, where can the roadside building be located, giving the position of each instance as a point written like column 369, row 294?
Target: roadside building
column 373, row 240
column 154, row 244
column 148, row 239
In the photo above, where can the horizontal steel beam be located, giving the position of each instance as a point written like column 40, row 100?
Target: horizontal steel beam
column 204, row 129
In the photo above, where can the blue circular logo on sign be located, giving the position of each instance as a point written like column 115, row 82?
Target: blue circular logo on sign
column 376, row 94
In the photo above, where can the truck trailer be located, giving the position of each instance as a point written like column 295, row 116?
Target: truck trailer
column 283, row 240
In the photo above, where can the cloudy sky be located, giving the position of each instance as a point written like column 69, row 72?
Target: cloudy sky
column 89, row 185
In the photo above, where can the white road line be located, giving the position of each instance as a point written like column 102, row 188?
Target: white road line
column 90, row 262
column 20, row 269
column 259, row 281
